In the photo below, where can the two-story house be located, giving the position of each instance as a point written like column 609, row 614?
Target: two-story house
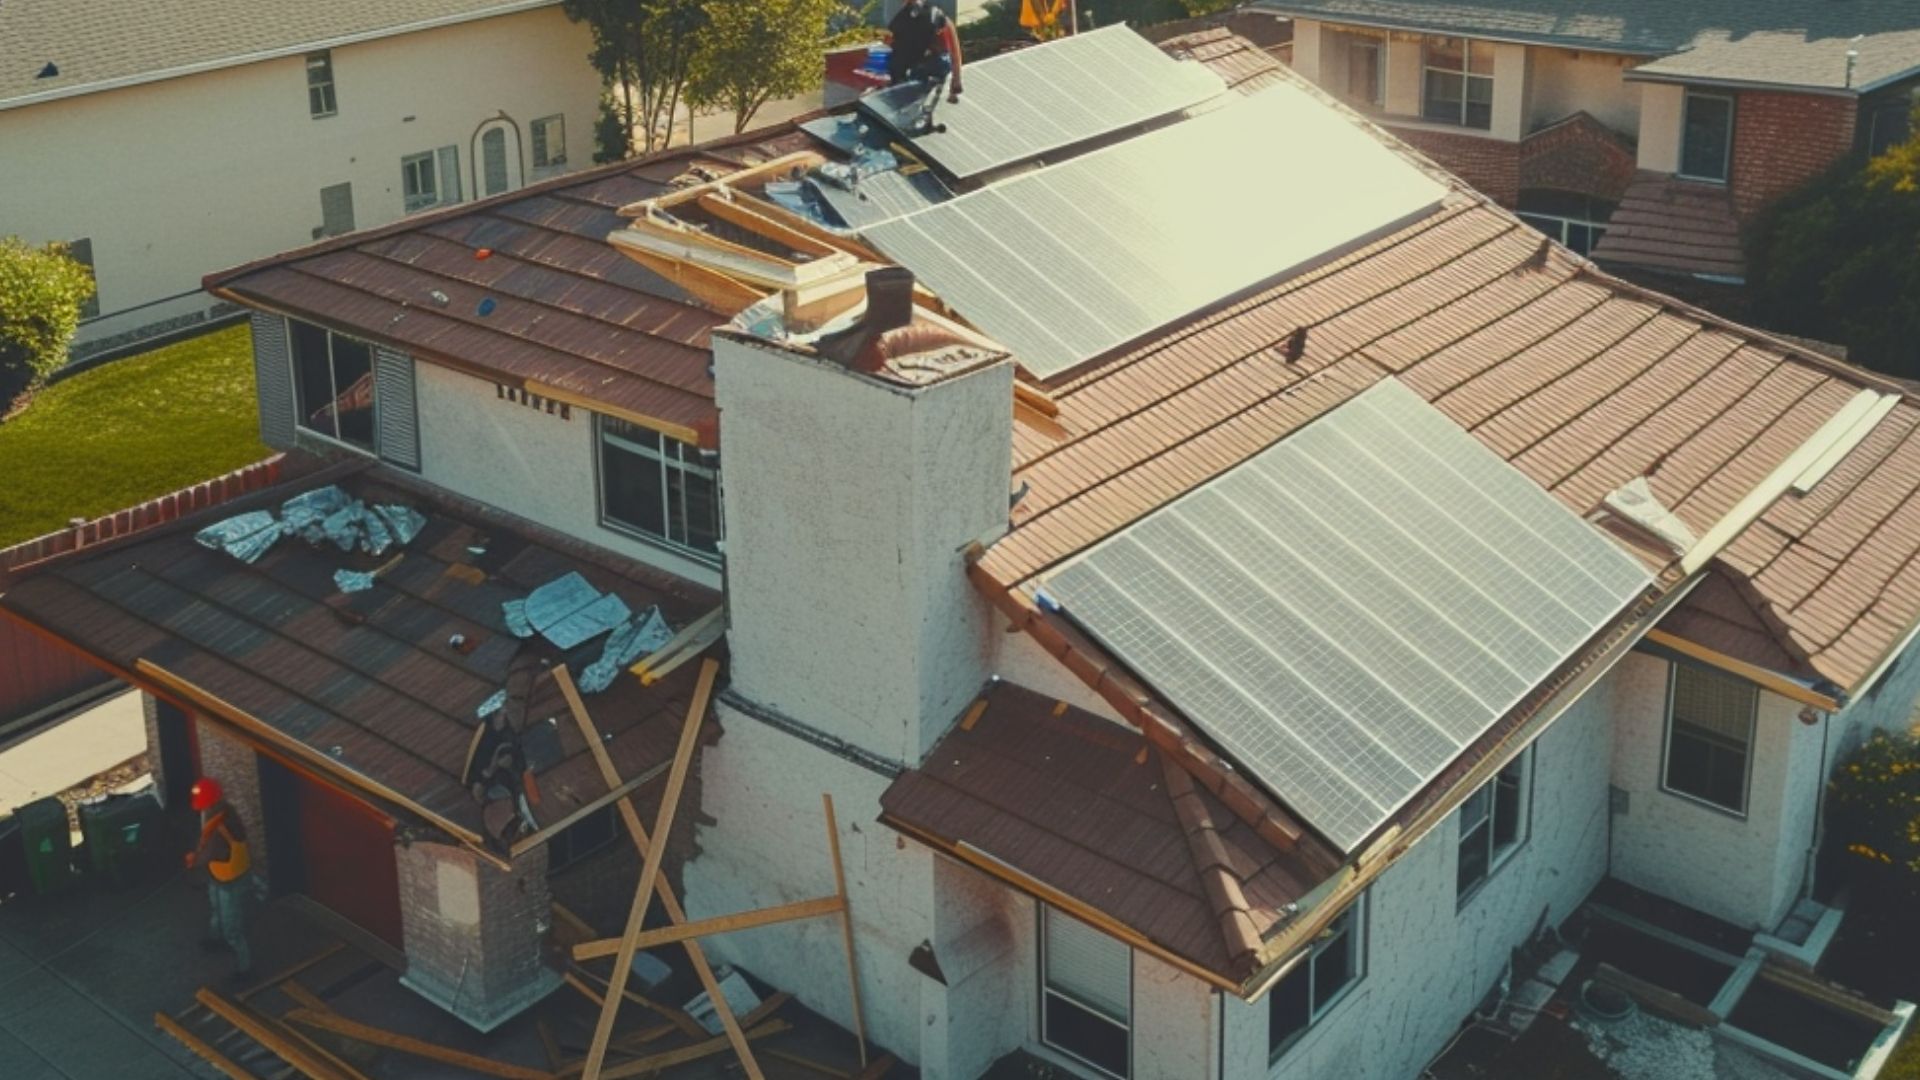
column 1647, row 135
column 162, row 141
column 1233, row 605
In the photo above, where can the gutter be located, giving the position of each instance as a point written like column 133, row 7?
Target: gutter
column 300, row 49
column 1642, row 75
column 1544, row 40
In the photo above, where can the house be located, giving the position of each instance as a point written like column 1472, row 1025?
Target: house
column 1230, row 621
column 252, row 133
column 1646, row 135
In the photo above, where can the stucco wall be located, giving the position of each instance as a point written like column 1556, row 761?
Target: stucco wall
column 1744, row 870
column 1428, row 964
column 175, row 179
column 1566, row 82
column 1174, row 1027
column 1661, row 106
column 523, row 460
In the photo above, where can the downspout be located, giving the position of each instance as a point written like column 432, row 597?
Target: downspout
column 1819, row 810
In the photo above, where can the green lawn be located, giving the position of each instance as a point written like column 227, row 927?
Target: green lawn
column 127, row 431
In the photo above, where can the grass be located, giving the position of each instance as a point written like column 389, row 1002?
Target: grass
column 128, row 431
column 1905, row 1062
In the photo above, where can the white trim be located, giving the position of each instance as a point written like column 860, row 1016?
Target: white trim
column 512, row 7
column 1845, row 444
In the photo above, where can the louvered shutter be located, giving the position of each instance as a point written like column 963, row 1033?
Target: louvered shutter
column 396, row 414
column 449, row 168
column 1087, row 965
column 273, row 381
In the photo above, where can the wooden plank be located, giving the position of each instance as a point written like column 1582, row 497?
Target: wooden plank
column 669, row 1058
column 799, row 159
column 722, row 206
column 716, row 291
column 304, row 997
column 677, row 1017
column 345, row 1069
column 719, row 924
column 774, row 211
column 1738, row 668
column 766, row 1008
column 255, row 1027
column 652, row 423
column 407, row 1044
column 297, row 969
column 678, row 643
column 1657, row 999
column 650, row 869
column 579, row 928
column 618, row 794
column 1838, row 997
column 846, row 925
column 638, row 834
column 200, row 1047
column 808, row 1063
column 876, row 1070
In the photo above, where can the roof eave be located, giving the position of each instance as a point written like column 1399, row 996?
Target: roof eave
column 1723, row 83
column 1280, row 7
column 511, row 7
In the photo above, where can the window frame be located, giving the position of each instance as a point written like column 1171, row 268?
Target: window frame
column 1666, row 744
column 639, row 532
column 1040, row 972
column 1497, row 856
column 301, row 413
column 329, row 98
column 1377, row 97
column 1726, row 148
column 1358, row 935
column 1466, row 74
column 414, row 202
column 541, row 132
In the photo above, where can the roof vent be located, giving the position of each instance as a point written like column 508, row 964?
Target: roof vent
column 52, row 70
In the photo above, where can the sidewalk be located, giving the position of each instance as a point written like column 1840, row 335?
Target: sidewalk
column 72, row 751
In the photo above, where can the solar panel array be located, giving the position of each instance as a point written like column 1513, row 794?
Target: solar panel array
column 1346, row 611
column 1020, row 105
column 1069, row 262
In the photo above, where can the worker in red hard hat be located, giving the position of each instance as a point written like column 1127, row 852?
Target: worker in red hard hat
column 229, row 865
column 914, row 31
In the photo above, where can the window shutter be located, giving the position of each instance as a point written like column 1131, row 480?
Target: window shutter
column 336, row 209
column 1087, row 965
column 396, row 413
column 539, row 144
column 273, row 380
column 449, row 174
column 1721, row 704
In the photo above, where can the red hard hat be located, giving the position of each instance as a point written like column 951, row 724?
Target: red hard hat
column 205, row 792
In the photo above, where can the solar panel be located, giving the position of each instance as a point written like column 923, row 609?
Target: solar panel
column 1346, row 611
column 1020, row 105
column 1069, row 262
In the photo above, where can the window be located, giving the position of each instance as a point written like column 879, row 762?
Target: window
column 1317, row 983
column 549, row 142
column 81, row 251
column 581, row 839
column 1363, row 74
column 493, row 161
column 1493, row 824
column 333, row 385
column 1086, row 999
column 1578, row 221
column 658, row 487
column 1706, row 136
column 1459, row 82
column 336, row 210
column 320, row 99
column 430, row 179
column 1710, row 720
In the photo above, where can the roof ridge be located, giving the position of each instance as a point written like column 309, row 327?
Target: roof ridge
column 1224, row 893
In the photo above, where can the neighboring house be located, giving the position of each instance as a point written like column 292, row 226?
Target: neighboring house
column 1219, row 673
column 165, row 140
column 1645, row 133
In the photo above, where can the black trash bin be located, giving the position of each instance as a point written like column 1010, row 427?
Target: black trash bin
column 48, row 844
column 13, row 859
column 122, row 833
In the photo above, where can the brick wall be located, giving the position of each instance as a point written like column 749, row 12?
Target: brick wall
column 1578, row 154
column 1491, row 165
column 224, row 757
column 1783, row 140
column 474, row 934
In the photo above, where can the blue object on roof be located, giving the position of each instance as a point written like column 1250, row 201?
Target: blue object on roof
column 567, row 611
column 353, row 581
column 606, row 612
column 628, row 642
column 244, row 536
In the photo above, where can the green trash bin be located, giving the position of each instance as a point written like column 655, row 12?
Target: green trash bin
column 49, row 846
column 122, row 834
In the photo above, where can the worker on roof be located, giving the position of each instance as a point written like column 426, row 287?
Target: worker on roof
column 229, row 865
column 914, row 31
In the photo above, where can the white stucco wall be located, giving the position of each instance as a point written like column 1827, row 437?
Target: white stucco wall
column 1566, row 82
column 524, row 461
column 1746, row 870
column 1428, row 963
column 1175, row 1027
column 1661, row 106
column 1309, row 50
column 1887, row 704
column 1404, row 75
column 1019, row 660
column 174, row 179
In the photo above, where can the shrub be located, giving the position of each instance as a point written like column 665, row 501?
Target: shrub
column 41, row 291
column 1873, row 808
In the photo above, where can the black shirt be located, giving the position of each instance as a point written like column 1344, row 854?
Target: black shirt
column 915, row 27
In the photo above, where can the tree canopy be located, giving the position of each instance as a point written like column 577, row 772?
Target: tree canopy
column 643, row 50
column 41, row 292
column 1840, row 260
column 754, row 51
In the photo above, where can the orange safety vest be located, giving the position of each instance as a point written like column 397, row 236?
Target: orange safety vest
column 237, row 862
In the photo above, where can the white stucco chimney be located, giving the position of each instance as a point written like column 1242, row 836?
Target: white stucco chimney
column 856, row 469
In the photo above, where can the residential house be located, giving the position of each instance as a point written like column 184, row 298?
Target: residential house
column 1645, row 134
column 1218, row 673
column 163, row 141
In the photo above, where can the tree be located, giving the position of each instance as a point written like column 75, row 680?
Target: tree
column 754, row 51
column 41, row 291
column 1874, row 814
column 1840, row 260
column 643, row 50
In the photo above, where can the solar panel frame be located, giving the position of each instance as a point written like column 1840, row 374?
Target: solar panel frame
column 1330, row 614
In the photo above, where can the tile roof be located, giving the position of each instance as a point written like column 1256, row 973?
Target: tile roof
column 1775, row 42
column 95, row 42
column 368, row 680
column 1093, row 811
column 572, row 313
column 1666, row 223
column 1582, row 381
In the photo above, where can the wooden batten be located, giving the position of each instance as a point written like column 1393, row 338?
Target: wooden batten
column 1759, row 676
column 729, row 207
column 766, row 170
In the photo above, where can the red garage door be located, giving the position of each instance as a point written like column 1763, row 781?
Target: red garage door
column 346, row 856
